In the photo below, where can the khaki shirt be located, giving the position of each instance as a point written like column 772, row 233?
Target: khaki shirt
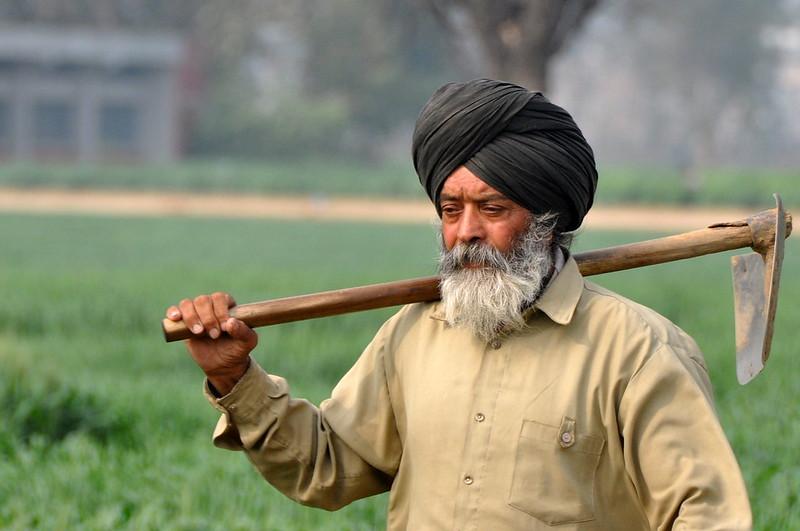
column 599, row 415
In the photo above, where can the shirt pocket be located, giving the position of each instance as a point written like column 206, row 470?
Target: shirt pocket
column 554, row 472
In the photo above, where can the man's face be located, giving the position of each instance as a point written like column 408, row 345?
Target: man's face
column 474, row 212
column 496, row 257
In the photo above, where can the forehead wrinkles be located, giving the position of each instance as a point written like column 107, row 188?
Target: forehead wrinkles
column 481, row 197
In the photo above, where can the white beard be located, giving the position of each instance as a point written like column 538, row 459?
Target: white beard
column 493, row 297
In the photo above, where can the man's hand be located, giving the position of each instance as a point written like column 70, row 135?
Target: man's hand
column 221, row 345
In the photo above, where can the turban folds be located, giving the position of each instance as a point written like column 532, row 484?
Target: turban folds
column 514, row 140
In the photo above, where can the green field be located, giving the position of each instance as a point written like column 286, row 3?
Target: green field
column 746, row 187
column 105, row 426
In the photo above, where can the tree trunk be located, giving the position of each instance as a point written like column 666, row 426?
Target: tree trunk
column 518, row 39
column 514, row 51
column 529, row 72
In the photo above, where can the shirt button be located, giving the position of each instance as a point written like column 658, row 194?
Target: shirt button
column 468, row 480
column 496, row 344
column 566, row 437
column 479, row 417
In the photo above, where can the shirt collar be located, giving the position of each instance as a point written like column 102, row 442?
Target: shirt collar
column 560, row 298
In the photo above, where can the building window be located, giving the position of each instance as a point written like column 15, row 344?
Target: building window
column 5, row 127
column 54, row 127
column 119, row 127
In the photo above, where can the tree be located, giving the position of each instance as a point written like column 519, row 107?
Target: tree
column 517, row 39
column 379, row 57
column 708, row 68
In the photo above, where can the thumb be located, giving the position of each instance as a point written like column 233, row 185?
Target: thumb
column 241, row 332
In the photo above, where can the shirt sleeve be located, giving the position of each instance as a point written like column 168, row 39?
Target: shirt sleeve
column 675, row 450
column 325, row 457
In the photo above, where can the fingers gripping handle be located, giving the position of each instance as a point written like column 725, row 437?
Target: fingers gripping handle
column 323, row 304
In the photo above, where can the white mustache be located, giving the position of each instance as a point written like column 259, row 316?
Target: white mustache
column 492, row 297
column 474, row 254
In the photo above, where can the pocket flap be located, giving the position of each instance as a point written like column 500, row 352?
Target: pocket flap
column 588, row 444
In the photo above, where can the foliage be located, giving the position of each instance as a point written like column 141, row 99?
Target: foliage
column 82, row 301
column 236, row 126
column 309, row 176
column 40, row 410
column 321, row 178
column 382, row 59
column 744, row 187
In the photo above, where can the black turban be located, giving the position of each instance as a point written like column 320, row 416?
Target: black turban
column 515, row 140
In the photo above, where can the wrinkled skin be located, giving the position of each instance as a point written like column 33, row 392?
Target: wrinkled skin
column 221, row 345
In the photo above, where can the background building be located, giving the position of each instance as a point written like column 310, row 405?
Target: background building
column 87, row 96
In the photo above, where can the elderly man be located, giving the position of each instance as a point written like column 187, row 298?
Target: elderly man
column 528, row 397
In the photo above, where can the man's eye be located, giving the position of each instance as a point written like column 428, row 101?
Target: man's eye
column 493, row 209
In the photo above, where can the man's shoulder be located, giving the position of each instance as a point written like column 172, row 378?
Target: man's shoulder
column 411, row 316
column 629, row 317
column 412, row 326
column 416, row 312
column 599, row 299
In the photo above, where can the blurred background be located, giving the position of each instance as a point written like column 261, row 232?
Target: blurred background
column 116, row 114
column 680, row 91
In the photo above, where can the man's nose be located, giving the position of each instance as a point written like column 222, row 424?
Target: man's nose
column 470, row 227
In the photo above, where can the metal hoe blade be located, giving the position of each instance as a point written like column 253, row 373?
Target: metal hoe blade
column 756, row 278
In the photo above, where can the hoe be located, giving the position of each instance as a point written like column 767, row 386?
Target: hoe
column 756, row 278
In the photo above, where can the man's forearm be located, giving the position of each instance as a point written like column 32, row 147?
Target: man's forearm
column 292, row 445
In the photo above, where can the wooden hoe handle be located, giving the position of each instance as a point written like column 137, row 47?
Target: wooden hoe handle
column 756, row 231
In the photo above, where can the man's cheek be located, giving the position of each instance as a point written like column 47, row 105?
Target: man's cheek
column 449, row 237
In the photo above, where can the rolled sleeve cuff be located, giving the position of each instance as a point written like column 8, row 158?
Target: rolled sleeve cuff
column 246, row 409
